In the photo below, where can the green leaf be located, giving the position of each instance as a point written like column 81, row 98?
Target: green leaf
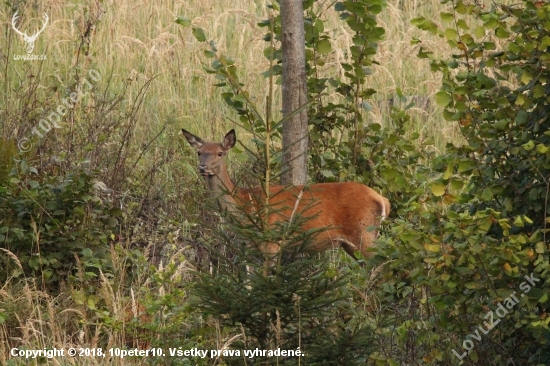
column 538, row 91
column 460, row 8
column 520, row 99
column 112, row 222
column 447, row 17
column 487, row 194
column 92, row 301
column 501, row 125
column 448, row 172
column 521, row 117
column 269, row 52
column 528, row 145
column 502, row 33
column 457, row 184
column 24, row 167
column 540, row 247
column 486, row 224
column 323, row 46
column 199, row 34
column 418, row 21
column 490, row 23
column 479, row 32
column 489, row 46
column 319, row 26
column 434, row 248
column 544, row 43
column 327, row 173
column 424, row 24
column 451, row 34
column 526, row 77
column 465, row 165
column 503, row 223
column 542, row 149
column 443, row 98
column 33, row 184
column 438, row 189
column 375, row 9
column 388, row 173
column 462, row 24
column 183, row 21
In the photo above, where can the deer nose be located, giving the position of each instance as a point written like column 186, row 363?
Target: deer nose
column 203, row 168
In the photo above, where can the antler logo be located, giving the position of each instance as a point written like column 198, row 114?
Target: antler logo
column 29, row 40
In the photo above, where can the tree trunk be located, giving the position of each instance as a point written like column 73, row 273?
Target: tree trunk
column 295, row 132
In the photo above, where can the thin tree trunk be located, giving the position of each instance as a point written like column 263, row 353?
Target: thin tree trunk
column 295, row 132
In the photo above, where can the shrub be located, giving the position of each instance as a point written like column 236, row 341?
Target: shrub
column 479, row 242
column 48, row 221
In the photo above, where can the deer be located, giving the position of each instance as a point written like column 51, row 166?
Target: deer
column 29, row 40
column 342, row 212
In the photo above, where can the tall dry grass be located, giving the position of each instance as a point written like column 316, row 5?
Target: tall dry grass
column 141, row 39
column 72, row 318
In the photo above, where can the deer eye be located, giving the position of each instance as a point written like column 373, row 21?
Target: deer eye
column 198, row 153
column 220, row 154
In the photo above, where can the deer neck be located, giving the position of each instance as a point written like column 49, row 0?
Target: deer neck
column 222, row 188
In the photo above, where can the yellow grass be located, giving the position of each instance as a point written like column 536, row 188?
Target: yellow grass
column 140, row 38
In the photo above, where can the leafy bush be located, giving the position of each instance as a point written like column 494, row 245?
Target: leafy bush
column 459, row 267
column 49, row 221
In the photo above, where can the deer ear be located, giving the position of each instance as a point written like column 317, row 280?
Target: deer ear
column 229, row 140
column 193, row 140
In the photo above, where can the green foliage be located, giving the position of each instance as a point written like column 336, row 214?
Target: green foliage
column 337, row 124
column 49, row 221
column 8, row 150
column 55, row 208
column 178, row 326
column 398, row 160
column 456, row 265
column 500, row 100
column 337, row 129
column 289, row 302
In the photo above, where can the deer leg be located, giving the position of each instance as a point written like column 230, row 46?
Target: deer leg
column 350, row 249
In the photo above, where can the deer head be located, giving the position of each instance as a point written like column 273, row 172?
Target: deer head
column 212, row 166
column 29, row 40
column 211, row 154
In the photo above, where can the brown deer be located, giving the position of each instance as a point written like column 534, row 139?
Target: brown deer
column 346, row 210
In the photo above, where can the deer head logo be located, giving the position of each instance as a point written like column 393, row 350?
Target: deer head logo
column 29, row 40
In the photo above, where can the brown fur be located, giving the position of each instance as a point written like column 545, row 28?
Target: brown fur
column 346, row 209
